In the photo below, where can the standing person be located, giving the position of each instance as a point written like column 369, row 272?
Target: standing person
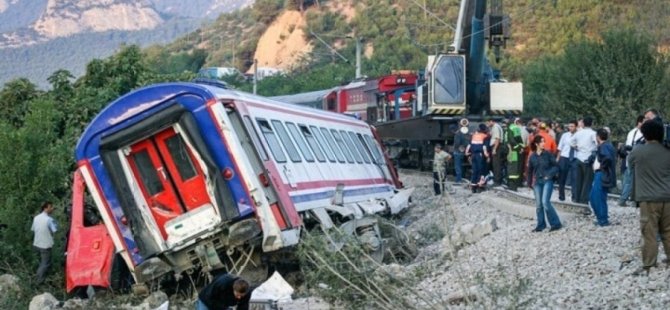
column 604, row 176
column 477, row 148
column 652, row 114
column 559, row 130
column 514, row 158
column 651, row 190
column 584, row 142
column 524, row 131
column 44, row 226
column 439, row 169
column 633, row 138
column 564, row 159
column 225, row 291
column 549, row 141
column 461, row 141
column 542, row 170
column 496, row 147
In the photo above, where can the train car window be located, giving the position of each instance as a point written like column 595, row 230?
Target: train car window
column 286, row 141
column 343, row 147
column 351, row 146
column 255, row 138
column 323, row 143
column 377, row 156
column 271, row 139
column 313, row 144
column 332, row 144
column 148, row 172
column 182, row 160
column 302, row 145
column 358, row 141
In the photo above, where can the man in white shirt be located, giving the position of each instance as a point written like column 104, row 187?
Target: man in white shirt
column 634, row 137
column 44, row 226
column 584, row 143
column 565, row 160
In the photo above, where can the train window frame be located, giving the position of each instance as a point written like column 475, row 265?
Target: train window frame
column 148, row 175
column 255, row 139
column 322, row 141
column 286, row 141
column 333, row 145
column 272, row 140
column 181, row 157
column 300, row 141
column 357, row 137
column 376, row 152
column 351, row 146
column 312, row 142
column 343, row 146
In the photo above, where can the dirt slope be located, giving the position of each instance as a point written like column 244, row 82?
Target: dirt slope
column 283, row 44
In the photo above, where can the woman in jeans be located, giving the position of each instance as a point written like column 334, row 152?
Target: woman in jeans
column 542, row 169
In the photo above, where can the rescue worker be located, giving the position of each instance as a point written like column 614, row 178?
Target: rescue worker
column 477, row 148
column 549, row 142
column 515, row 147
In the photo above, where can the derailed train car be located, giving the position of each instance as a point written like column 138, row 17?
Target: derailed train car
column 189, row 177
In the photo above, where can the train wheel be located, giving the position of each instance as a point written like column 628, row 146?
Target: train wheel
column 371, row 239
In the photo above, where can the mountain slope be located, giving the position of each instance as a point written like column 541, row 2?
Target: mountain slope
column 38, row 37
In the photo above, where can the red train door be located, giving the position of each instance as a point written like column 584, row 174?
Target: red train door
column 168, row 175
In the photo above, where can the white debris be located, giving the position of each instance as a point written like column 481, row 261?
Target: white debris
column 44, row 301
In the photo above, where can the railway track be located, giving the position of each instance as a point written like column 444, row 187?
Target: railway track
column 523, row 197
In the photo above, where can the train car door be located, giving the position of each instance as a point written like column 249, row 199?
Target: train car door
column 168, row 175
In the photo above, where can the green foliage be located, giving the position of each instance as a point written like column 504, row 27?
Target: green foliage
column 35, row 164
column 165, row 63
column 14, row 100
column 612, row 80
column 301, row 81
column 265, row 11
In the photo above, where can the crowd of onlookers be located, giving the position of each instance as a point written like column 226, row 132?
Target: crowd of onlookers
column 539, row 154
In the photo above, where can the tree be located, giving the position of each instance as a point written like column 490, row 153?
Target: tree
column 61, row 85
column 35, row 167
column 14, row 100
column 265, row 11
column 611, row 79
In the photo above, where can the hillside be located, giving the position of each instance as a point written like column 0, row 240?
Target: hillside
column 399, row 34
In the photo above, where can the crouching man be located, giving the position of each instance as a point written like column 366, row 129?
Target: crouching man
column 224, row 292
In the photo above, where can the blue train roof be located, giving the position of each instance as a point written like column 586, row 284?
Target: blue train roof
column 133, row 103
column 143, row 100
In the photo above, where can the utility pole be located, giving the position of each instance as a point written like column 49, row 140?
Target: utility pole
column 255, row 74
column 358, row 57
column 232, row 48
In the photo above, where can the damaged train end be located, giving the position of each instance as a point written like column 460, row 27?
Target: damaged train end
column 178, row 178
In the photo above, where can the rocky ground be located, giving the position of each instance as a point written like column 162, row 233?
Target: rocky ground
column 478, row 251
column 580, row 266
